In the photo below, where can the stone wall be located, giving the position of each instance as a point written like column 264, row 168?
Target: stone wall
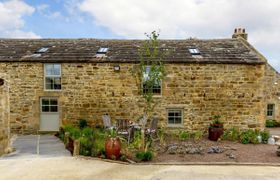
column 272, row 90
column 4, row 114
column 89, row 90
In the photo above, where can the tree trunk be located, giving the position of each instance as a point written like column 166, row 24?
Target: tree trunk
column 145, row 118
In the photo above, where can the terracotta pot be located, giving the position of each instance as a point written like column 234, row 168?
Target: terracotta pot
column 215, row 133
column 113, row 148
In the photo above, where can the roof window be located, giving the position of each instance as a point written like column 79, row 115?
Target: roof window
column 102, row 50
column 194, row 51
column 42, row 50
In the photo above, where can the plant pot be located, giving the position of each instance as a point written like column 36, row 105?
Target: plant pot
column 113, row 148
column 214, row 133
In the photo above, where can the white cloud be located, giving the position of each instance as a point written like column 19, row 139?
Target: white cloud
column 42, row 7
column 190, row 18
column 181, row 18
column 11, row 19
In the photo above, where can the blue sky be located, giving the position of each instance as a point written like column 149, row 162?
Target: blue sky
column 55, row 21
column 130, row 19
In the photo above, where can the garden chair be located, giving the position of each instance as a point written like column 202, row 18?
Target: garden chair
column 152, row 131
column 124, row 129
column 107, row 122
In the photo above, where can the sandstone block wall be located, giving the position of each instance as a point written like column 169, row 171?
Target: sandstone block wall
column 4, row 115
column 91, row 89
column 272, row 90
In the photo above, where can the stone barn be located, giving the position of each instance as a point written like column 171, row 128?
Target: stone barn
column 58, row 81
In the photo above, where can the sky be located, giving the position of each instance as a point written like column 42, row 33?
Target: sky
column 130, row 19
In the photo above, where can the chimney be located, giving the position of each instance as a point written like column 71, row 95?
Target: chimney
column 240, row 32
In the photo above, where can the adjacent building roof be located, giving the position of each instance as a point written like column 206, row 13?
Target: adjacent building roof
column 226, row 51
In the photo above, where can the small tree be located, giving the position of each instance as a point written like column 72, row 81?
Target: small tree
column 149, row 74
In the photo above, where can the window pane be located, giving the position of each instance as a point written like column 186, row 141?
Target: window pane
column 57, row 83
column 49, row 83
column 53, row 102
column 178, row 120
column 45, row 109
column 45, row 102
column 49, row 80
column 171, row 113
column 171, row 120
column 48, row 86
column 56, row 69
column 53, row 108
column 48, row 69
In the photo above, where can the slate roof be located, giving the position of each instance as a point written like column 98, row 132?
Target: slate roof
column 226, row 51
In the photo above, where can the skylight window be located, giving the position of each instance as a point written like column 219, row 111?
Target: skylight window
column 102, row 50
column 42, row 50
column 194, row 51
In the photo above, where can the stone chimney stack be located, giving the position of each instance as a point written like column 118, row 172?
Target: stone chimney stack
column 240, row 32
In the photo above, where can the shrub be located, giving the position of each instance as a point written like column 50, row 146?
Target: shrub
column 136, row 143
column 272, row 123
column 87, row 132
column 98, row 142
column 82, row 123
column 74, row 132
column 61, row 134
column 184, row 135
column 197, row 135
column 144, row 155
column 86, row 144
column 265, row 135
column 249, row 136
column 231, row 134
column 269, row 123
column 68, row 127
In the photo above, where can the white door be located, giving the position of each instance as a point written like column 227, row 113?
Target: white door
column 49, row 114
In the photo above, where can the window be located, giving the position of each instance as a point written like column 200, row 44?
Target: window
column 175, row 117
column 52, row 76
column 42, row 50
column 156, row 89
column 49, row 105
column 102, row 50
column 270, row 110
column 194, row 51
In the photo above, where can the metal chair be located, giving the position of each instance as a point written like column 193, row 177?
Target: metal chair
column 107, row 122
column 152, row 131
column 124, row 129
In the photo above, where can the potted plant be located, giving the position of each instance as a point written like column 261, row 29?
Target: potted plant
column 216, row 128
column 113, row 145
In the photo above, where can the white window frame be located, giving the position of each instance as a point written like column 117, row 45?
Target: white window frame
column 270, row 110
column 52, row 76
column 182, row 117
column 142, row 84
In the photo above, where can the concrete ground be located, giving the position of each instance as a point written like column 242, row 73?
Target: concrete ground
column 274, row 131
column 48, row 160
column 37, row 145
